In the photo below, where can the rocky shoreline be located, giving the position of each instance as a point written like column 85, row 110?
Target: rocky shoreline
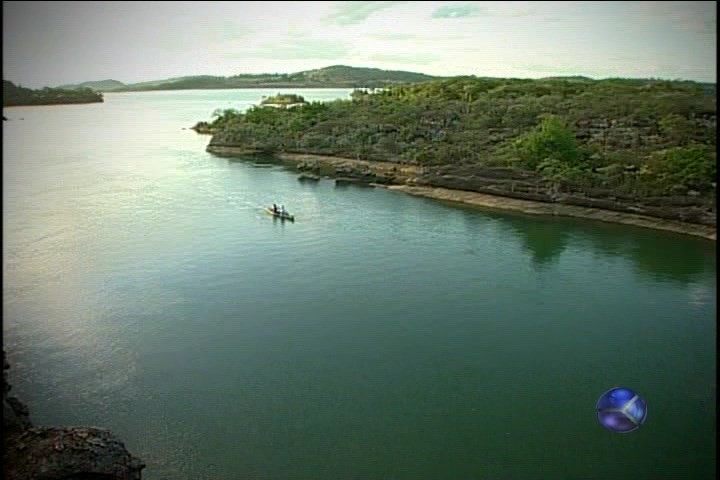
column 499, row 188
column 60, row 453
column 556, row 209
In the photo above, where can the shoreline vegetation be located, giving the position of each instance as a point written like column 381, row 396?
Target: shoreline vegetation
column 631, row 151
column 17, row 96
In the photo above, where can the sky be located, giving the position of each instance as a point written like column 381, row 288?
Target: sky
column 54, row 43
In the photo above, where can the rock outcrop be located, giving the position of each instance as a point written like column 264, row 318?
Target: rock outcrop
column 345, row 181
column 509, row 183
column 308, row 177
column 203, row 128
column 60, row 453
column 524, row 186
column 352, row 171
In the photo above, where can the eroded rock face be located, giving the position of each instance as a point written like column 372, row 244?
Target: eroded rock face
column 347, row 172
column 511, row 184
column 60, row 453
column 15, row 413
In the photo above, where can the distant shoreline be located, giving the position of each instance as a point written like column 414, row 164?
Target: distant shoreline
column 404, row 183
column 50, row 104
column 261, row 87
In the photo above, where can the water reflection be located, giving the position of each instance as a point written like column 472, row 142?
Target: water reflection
column 542, row 239
column 545, row 239
column 683, row 266
column 544, row 242
column 654, row 255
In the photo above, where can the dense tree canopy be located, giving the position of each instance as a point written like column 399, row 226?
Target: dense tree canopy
column 645, row 137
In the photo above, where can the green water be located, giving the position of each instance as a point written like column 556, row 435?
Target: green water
column 379, row 336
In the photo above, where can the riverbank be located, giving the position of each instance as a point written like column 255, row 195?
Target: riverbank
column 408, row 179
column 328, row 166
column 50, row 103
column 540, row 208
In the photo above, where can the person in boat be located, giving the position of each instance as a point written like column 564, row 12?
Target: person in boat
column 282, row 210
column 275, row 210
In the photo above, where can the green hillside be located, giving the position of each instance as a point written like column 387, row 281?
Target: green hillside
column 343, row 74
column 98, row 86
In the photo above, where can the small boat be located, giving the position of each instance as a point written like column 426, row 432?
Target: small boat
column 280, row 215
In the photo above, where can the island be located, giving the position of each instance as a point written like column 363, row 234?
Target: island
column 638, row 151
column 283, row 100
column 15, row 95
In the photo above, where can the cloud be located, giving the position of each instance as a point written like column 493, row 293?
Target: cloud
column 689, row 17
column 458, row 11
column 394, row 36
column 298, row 49
column 408, row 59
column 225, row 30
column 617, row 69
column 352, row 13
column 217, row 35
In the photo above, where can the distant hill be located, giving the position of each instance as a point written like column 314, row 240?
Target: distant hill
column 343, row 74
column 15, row 95
column 196, row 82
column 336, row 76
column 98, row 86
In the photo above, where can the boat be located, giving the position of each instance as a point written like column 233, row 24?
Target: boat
column 280, row 215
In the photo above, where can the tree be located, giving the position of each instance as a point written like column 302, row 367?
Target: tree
column 692, row 167
column 551, row 140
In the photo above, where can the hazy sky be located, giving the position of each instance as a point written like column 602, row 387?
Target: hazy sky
column 51, row 43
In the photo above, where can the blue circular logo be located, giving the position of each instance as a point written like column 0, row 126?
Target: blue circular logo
column 621, row 410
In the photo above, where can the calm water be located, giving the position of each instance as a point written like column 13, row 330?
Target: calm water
column 379, row 336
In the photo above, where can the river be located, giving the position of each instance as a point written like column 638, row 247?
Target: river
column 378, row 336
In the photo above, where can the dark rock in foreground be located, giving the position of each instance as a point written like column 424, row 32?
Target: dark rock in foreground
column 60, row 453
column 308, row 177
column 72, row 452
column 344, row 181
